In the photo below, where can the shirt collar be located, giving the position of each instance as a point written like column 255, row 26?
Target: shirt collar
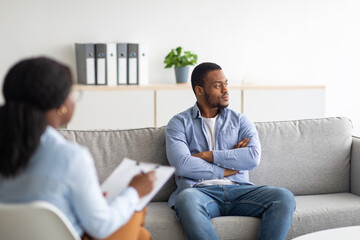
column 49, row 132
column 196, row 112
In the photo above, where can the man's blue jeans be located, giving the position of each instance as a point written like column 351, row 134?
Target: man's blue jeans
column 196, row 206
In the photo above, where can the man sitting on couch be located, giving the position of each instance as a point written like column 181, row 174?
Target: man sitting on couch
column 212, row 149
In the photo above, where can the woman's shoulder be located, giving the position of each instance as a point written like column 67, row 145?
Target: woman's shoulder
column 55, row 144
column 58, row 158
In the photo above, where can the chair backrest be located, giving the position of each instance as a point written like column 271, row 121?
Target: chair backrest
column 34, row 221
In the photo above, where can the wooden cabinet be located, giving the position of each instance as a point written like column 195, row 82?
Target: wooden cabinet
column 114, row 109
column 124, row 107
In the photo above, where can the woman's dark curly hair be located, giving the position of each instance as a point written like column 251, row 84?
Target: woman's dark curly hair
column 31, row 87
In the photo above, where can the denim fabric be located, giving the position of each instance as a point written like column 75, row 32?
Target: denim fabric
column 196, row 206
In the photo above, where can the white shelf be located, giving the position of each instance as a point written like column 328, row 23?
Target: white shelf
column 124, row 107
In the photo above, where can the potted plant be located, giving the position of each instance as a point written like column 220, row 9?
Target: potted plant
column 181, row 63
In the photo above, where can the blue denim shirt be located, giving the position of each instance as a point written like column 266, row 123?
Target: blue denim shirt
column 186, row 135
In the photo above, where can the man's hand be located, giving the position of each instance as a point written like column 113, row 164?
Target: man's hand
column 242, row 143
column 229, row 172
column 207, row 156
column 143, row 183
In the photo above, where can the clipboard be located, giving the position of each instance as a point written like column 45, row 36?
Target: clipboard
column 120, row 178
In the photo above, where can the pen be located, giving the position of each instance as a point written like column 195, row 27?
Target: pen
column 142, row 171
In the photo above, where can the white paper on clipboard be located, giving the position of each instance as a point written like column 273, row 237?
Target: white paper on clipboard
column 120, row 178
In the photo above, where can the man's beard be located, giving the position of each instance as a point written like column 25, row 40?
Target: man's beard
column 212, row 105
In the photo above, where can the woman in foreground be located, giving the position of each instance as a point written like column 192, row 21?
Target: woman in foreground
column 37, row 163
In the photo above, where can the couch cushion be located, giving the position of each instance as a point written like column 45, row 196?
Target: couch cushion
column 109, row 147
column 319, row 212
column 305, row 156
column 162, row 222
column 313, row 213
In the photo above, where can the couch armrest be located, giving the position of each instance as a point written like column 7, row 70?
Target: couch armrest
column 355, row 166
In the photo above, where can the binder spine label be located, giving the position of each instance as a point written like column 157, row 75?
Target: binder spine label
column 101, row 79
column 132, row 71
column 122, row 66
column 90, row 71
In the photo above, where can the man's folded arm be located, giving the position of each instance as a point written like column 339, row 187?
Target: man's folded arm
column 241, row 158
column 179, row 156
column 230, row 158
column 246, row 158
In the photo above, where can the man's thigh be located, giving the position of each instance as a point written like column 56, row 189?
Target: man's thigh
column 202, row 200
column 248, row 200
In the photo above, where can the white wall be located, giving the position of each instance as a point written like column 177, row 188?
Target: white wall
column 264, row 41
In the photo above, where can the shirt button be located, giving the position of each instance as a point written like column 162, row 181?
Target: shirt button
column 218, row 164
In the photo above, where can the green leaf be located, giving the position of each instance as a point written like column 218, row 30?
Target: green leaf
column 174, row 58
column 178, row 50
column 169, row 65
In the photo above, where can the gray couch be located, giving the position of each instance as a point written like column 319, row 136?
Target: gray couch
column 317, row 159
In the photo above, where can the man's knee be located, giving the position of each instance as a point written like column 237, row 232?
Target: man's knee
column 285, row 198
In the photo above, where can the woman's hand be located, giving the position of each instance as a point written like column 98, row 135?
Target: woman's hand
column 143, row 183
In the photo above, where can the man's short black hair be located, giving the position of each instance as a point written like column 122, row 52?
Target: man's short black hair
column 199, row 73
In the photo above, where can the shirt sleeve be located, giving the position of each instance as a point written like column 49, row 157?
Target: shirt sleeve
column 246, row 158
column 98, row 218
column 179, row 155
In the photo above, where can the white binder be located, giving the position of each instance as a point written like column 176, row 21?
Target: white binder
column 111, row 64
column 143, row 64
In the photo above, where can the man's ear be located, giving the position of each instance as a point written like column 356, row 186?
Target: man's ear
column 199, row 90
